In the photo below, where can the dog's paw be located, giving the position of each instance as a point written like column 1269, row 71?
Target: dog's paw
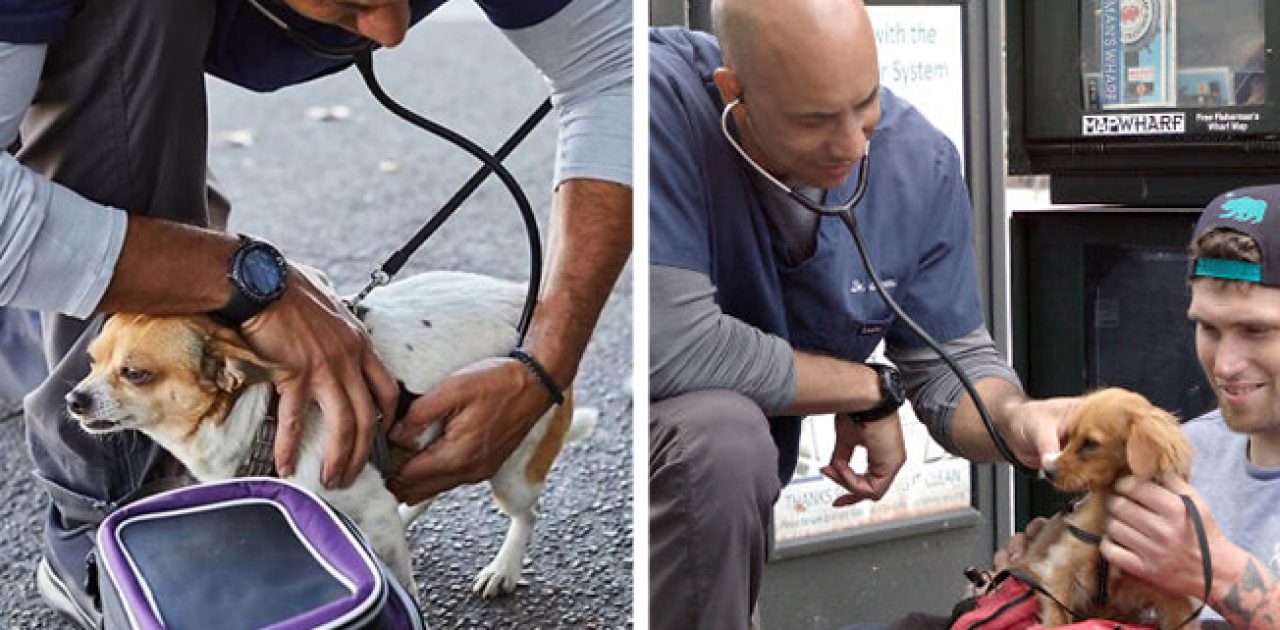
column 496, row 579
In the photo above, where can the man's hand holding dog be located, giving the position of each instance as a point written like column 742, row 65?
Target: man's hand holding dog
column 325, row 356
column 1151, row 537
column 886, row 453
column 1031, row 428
column 487, row 408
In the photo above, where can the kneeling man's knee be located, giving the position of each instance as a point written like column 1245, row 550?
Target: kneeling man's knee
column 723, row 439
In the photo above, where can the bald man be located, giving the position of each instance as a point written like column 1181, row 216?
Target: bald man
column 761, row 311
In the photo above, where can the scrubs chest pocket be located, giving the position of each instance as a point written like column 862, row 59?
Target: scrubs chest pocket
column 839, row 334
column 832, row 307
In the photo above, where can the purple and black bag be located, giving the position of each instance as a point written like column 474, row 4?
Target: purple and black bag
column 246, row 553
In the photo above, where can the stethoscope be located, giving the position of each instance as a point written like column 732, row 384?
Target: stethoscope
column 845, row 211
column 362, row 55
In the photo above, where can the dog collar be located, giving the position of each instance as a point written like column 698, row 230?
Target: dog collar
column 1104, row 568
column 387, row 457
column 261, row 461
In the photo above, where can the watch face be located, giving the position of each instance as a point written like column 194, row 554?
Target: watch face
column 261, row 272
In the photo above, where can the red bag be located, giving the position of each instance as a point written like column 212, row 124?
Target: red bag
column 1011, row 604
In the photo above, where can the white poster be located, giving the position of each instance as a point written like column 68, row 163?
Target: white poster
column 921, row 50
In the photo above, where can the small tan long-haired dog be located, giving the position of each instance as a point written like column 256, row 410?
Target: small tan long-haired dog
column 1114, row 433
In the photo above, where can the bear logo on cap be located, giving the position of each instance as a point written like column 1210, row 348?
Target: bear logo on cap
column 1244, row 209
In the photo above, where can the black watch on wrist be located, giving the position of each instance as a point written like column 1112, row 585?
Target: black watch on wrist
column 258, row 273
column 892, row 394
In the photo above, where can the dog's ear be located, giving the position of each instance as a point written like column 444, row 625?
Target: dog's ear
column 230, row 363
column 1156, row 445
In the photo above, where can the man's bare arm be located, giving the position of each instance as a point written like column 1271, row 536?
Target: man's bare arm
column 168, row 268
column 828, row 385
column 490, row 406
column 1252, row 600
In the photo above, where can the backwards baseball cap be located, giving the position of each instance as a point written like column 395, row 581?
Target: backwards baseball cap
column 1254, row 211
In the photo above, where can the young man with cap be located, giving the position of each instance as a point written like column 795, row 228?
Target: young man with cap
column 1235, row 476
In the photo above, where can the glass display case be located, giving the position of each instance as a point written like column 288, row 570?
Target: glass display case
column 1143, row 102
column 1167, row 53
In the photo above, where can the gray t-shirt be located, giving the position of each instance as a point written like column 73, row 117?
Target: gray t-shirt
column 1243, row 497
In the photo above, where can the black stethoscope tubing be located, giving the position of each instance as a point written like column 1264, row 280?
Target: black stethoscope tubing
column 845, row 212
column 362, row 55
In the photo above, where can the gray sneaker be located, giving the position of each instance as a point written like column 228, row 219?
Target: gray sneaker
column 55, row 592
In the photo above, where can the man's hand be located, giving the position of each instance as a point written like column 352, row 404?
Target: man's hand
column 886, row 453
column 325, row 356
column 1036, row 428
column 1150, row 536
column 1018, row 544
column 487, row 408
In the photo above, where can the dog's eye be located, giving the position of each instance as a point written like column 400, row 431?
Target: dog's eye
column 135, row 376
column 1088, row 444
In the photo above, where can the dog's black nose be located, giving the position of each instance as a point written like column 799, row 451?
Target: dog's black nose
column 79, row 402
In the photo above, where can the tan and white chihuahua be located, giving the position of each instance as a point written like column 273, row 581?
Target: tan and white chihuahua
column 198, row 390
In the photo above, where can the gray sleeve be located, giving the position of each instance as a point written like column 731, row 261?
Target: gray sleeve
column 57, row 249
column 584, row 51
column 935, row 391
column 693, row 345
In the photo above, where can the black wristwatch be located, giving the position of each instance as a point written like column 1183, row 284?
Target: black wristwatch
column 258, row 273
column 892, row 394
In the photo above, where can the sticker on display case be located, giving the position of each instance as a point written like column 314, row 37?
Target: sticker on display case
column 1205, row 87
column 1136, row 40
column 1137, row 124
column 1228, row 121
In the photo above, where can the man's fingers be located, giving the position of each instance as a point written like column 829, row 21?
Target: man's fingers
column 840, row 472
column 340, row 419
column 1046, row 442
column 859, row 487
column 1126, row 536
column 385, row 389
column 1017, row 546
column 366, row 416
column 288, row 427
column 878, row 485
column 431, row 407
column 432, row 471
column 1123, row 559
column 1002, row 560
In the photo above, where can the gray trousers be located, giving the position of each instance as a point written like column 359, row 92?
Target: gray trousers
column 713, row 479
column 120, row 117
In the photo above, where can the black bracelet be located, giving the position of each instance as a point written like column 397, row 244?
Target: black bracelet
column 543, row 377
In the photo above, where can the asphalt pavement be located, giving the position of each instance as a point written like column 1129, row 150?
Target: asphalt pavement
column 334, row 180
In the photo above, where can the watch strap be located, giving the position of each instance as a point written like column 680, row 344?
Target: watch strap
column 241, row 305
column 238, row 309
column 891, row 395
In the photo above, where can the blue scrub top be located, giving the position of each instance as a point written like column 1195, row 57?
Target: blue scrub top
column 249, row 50
column 706, row 216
